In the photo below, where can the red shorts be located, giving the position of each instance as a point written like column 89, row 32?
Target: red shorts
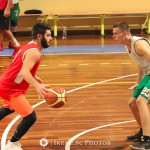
column 19, row 104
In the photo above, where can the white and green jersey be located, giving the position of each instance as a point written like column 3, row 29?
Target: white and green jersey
column 140, row 60
column 15, row 1
column 14, row 12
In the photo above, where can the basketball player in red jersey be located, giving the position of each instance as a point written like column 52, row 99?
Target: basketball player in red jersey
column 16, row 79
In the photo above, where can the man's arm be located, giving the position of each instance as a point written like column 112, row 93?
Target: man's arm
column 31, row 58
column 7, row 9
column 142, row 48
column 140, row 75
column 38, row 79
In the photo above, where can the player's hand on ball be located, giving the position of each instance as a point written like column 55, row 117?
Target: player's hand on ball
column 41, row 90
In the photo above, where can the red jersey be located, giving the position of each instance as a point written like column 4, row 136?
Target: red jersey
column 11, row 82
column 3, row 4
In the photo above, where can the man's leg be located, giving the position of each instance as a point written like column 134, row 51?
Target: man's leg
column 135, row 111
column 4, row 112
column 12, row 38
column 1, row 40
column 22, row 107
column 144, row 115
column 145, row 121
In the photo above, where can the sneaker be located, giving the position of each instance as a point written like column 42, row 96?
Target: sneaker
column 1, row 48
column 143, row 145
column 16, row 49
column 136, row 137
column 13, row 146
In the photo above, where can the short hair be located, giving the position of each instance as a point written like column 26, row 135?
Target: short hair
column 123, row 26
column 39, row 28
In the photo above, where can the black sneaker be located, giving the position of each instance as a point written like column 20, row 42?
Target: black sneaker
column 136, row 137
column 143, row 145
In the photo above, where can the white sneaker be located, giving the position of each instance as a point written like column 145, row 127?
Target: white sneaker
column 13, row 146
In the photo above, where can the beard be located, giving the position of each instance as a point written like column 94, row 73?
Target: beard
column 44, row 43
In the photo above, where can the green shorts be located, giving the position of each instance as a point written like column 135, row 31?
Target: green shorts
column 142, row 87
column 14, row 12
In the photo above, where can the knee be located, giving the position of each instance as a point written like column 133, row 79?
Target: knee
column 132, row 102
column 31, row 118
column 140, row 101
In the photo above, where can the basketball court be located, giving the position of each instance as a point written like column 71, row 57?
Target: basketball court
column 97, row 77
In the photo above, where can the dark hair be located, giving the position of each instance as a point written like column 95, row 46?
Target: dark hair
column 39, row 28
column 123, row 26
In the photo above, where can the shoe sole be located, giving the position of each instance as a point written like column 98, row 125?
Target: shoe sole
column 135, row 148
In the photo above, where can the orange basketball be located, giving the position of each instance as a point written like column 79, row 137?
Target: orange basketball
column 56, row 97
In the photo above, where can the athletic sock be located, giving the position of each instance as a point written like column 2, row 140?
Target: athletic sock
column 13, row 139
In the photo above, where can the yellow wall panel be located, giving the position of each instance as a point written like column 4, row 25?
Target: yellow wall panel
column 75, row 7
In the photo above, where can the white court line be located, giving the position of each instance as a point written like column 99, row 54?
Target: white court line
column 69, row 142
column 5, row 133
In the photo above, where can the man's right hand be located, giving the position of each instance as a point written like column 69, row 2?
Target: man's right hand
column 41, row 90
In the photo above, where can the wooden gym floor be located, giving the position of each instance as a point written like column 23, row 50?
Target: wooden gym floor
column 96, row 114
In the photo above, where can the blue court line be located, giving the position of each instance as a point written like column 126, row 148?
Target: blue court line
column 80, row 49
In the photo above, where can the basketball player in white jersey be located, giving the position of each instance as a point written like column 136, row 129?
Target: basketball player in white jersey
column 139, row 49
